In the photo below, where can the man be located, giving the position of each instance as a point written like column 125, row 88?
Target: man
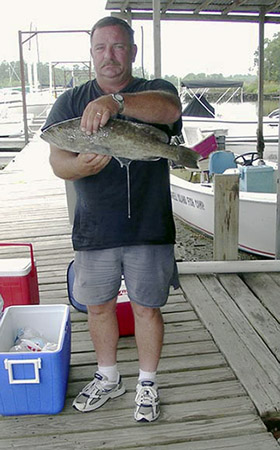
column 107, row 240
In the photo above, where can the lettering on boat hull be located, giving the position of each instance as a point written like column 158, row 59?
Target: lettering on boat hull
column 186, row 200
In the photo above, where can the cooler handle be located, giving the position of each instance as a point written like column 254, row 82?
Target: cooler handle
column 9, row 367
column 8, row 244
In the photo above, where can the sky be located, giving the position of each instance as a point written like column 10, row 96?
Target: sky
column 186, row 47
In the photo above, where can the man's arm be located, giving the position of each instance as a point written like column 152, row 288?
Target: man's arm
column 148, row 106
column 160, row 107
column 73, row 166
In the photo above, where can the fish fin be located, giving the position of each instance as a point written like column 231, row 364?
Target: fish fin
column 188, row 158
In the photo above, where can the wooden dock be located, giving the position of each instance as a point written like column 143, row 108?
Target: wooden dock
column 219, row 372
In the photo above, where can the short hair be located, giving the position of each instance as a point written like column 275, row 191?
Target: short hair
column 113, row 21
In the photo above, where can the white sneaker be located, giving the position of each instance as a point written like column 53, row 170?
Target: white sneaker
column 98, row 392
column 147, row 401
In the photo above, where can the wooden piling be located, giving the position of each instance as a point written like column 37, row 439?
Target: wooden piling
column 226, row 220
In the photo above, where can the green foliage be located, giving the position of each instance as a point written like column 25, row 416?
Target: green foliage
column 251, row 88
column 62, row 75
column 138, row 72
column 271, row 59
column 9, row 74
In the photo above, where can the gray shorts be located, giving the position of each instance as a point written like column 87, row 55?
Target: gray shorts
column 148, row 270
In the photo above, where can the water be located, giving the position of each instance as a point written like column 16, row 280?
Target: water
column 241, row 134
column 244, row 111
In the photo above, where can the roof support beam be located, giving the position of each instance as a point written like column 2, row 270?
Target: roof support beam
column 275, row 6
column 277, row 243
column 231, row 7
column 124, row 5
column 202, row 7
column 166, row 8
column 157, row 39
column 260, row 141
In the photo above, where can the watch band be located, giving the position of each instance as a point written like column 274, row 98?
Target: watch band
column 120, row 100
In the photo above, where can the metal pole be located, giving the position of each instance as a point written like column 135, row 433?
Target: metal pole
column 157, row 43
column 23, row 89
column 260, row 139
column 277, row 232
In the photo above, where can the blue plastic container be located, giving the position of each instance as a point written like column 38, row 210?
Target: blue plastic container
column 257, row 179
column 34, row 382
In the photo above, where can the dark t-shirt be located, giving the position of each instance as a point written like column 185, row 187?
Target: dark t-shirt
column 112, row 209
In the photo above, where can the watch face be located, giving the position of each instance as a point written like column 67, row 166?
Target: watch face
column 120, row 100
column 119, row 97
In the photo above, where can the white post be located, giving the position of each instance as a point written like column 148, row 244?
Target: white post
column 30, row 77
column 35, row 75
column 277, row 236
column 157, row 43
column 50, row 78
column 260, row 142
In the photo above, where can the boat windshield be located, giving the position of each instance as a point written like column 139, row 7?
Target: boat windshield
column 197, row 90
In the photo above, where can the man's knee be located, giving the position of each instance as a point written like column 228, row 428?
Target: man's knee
column 144, row 312
column 103, row 309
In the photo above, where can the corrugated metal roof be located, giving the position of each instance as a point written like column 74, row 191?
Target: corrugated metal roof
column 233, row 10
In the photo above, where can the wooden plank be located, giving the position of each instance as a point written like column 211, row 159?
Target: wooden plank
column 265, row 396
column 173, row 395
column 266, row 289
column 73, row 422
column 250, row 442
column 262, row 333
column 121, row 437
column 171, row 337
column 183, row 349
column 185, row 378
column 166, row 365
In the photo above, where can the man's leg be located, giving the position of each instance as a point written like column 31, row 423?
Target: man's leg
column 149, row 331
column 149, row 271
column 104, row 332
column 97, row 278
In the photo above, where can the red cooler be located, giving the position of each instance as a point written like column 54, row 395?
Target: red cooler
column 124, row 313
column 18, row 279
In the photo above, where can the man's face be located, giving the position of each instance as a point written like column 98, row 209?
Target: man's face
column 112, row 53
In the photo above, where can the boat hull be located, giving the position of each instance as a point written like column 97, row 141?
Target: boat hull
column 193, row 203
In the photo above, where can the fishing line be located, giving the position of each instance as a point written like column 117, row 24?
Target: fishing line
column 125, row 162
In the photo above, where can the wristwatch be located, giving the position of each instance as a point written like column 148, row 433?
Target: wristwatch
column 120, row 101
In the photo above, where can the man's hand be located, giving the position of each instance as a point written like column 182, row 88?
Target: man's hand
column 90, row 164
column 73, row 166
column 97, row 113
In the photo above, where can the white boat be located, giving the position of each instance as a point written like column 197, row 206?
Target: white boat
column 236, row 121
column 12, row 130
column 11, row 123
column 193, row 203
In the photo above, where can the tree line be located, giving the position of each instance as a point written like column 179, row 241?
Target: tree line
column 64, row 77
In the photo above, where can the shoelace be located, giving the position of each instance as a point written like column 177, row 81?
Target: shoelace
column 147, row 396
column 92, row 389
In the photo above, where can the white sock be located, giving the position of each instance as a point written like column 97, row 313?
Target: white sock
column 143, row 375
column 111, row 372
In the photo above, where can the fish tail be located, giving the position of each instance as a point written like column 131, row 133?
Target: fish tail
column 187, row 157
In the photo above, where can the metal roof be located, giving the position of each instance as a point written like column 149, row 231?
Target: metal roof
column 216, row 10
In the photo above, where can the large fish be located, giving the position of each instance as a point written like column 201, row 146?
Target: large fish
column 121, row 139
